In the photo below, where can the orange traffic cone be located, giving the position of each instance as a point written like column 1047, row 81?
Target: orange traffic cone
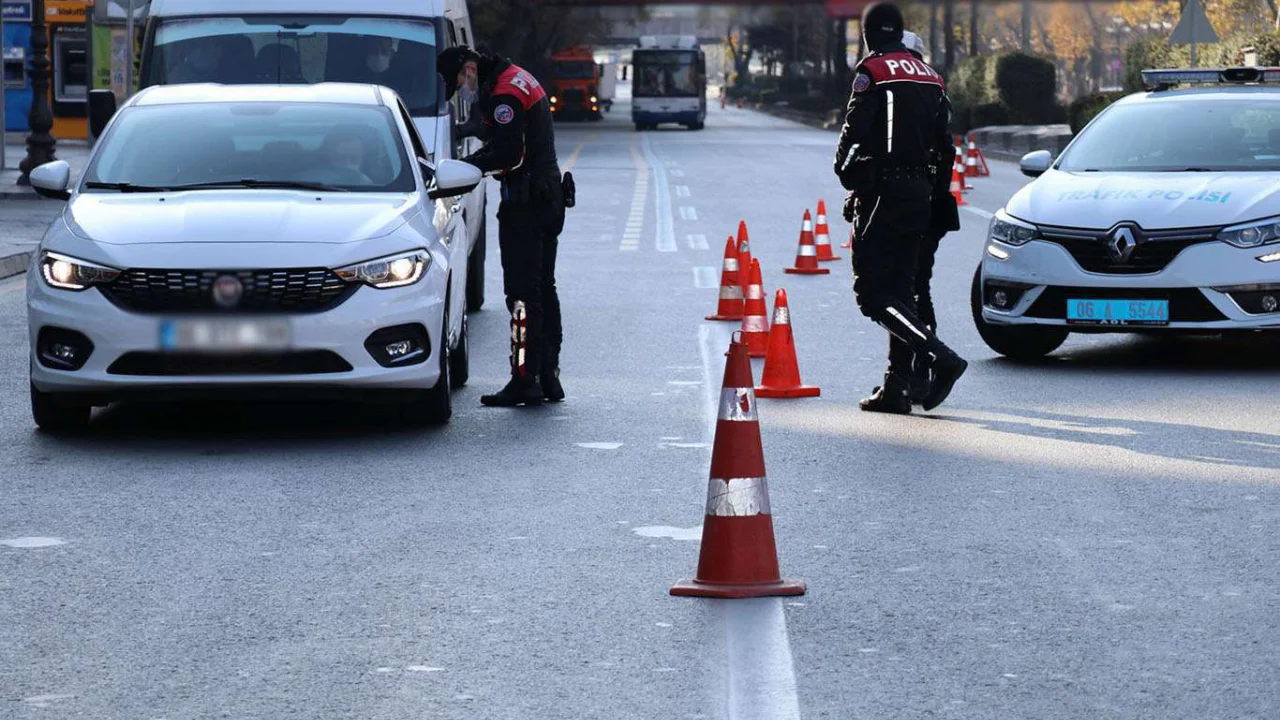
column 957, row 187
column 979, row 160
column 730, row 306
column 822, row 235
column 739, row 556
column 964, row 183
column 781, row 378
column 807, row 252
column 744, row 256
column 755, row 326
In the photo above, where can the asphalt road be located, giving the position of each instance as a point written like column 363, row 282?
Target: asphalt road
column 1093, row 536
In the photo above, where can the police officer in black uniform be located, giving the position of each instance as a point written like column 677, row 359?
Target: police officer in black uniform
column 520, row 149
column 895, row 137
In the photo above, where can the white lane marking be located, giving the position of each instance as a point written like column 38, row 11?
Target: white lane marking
column 600, row 445
column 978, row 211
column 424, row 669
column 666, row 531
column 635, row 220
column 666, row 240
column 762, row 676
column 682, row 191
column 697, row 242
column 688, row 213
column 27, row 543
column 704, row 278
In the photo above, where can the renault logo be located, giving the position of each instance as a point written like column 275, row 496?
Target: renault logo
column 1124, row 240
column 227, row 291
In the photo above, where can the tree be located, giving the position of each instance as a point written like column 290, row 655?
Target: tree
column 529, row 32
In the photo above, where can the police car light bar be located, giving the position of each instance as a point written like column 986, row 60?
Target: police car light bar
column 1157, row 80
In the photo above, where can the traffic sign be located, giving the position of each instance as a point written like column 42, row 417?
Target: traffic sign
column 1193, row 28
column 16, row 10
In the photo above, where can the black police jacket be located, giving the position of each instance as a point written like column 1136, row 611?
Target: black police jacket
column 518, row 125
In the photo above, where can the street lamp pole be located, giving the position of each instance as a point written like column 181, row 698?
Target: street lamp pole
column 40, row 143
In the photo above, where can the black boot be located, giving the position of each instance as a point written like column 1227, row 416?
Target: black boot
column 520, row 391
column 552, row 390
column 921, row 377
column 892, row 397
column 947, row 369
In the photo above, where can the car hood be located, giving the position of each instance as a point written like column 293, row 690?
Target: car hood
column 1152, row 200
column 236, row 216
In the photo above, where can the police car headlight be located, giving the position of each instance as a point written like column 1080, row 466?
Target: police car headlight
column 392, row 271
column 1253, row 234
column 68, row 273
column 1011, row 231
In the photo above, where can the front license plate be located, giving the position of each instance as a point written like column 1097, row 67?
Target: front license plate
column 1117, row 312
column 225, row 336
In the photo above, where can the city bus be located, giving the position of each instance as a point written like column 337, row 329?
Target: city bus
column 669, row 83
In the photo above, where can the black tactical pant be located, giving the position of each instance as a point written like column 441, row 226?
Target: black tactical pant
column 888, row 233
column 924, row 278
column 530, row 219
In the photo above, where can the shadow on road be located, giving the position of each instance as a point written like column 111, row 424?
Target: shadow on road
column 1179, row 354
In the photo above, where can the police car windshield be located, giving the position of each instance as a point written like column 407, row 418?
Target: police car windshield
column 261, row 49
column 352, row 148
column 1186, row 135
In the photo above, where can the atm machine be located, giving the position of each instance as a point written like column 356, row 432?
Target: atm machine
column 17, row 88
column 70, row 54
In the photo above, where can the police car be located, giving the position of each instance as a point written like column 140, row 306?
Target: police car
column 1162, row 215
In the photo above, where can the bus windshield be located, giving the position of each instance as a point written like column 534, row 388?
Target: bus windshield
column 668, row 73
column 262, row 49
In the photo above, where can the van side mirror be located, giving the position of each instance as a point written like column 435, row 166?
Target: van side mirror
column 102, row 107
column 1035, row 164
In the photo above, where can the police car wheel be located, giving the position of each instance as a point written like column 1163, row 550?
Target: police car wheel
column 475, row 270
column 1025, row 343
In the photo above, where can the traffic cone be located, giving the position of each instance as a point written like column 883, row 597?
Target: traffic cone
column 781, row 378
column 975, row 160
column 744, row 256
column 807, row 252
column 755, row 325
column 957, row 187
column 730, row 307
column 822, row 235
column 739, row 556
column 964, row 183
column 970, row 162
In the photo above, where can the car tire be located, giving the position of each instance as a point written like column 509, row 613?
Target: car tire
column 1025, row 343
column 460, row 357
column 54, row 416
column 434, row 406
column 475, row 269
column 697, row 126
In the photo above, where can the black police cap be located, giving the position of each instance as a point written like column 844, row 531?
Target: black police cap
column 882, row 25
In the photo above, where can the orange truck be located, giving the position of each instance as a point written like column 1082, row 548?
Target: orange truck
column 575, row 84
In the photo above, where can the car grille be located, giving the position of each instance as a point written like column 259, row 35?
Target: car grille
column 265, row 291
column 1185, row 304
column 1157, row 249
column 159, row 364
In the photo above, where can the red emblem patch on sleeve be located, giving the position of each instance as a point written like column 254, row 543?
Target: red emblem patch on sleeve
column 503, row 114
column 862, row 83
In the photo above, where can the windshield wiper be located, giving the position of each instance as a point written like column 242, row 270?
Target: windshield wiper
column 123, row 187
column 265, row 184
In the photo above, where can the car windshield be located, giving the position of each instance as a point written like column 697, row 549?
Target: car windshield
column 400, row 54
column 567, row 70
column 1193, row 135
column 348, row 147
column 667, row 74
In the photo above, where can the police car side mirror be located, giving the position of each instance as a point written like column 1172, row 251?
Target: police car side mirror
column 1035, row 164
column 454, row 178
column 52, row 180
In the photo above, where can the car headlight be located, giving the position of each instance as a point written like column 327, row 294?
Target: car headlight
column 1253, row 234
column 1010, row 230
column 388, row 272
column 67, row 273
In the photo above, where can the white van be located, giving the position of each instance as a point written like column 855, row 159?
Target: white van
column 384, row 42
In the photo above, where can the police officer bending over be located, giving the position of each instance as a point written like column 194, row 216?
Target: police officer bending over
column 521, row 151
column 894, row 138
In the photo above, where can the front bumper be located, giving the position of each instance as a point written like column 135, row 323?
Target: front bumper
column 1043, row 273
column 339, row 332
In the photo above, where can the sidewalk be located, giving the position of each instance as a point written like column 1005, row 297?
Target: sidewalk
column 75, row 152
column 20, row 231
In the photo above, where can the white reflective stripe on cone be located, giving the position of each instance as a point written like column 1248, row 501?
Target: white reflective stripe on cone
column 755, row 324
column 782, row 315
column 755, row 292
column 738, row 405
column 730, row 292
column 731, row 264
column 738, row 497
column 806, row 227
column 807, row 250
column 822, row 219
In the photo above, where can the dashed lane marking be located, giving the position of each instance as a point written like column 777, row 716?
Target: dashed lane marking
column 635, row 221
column 666, row 238
column 682, row 191
column 697, row 242
column 688, row 213
column 704, row 278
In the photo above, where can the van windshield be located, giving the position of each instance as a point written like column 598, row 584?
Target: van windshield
column 300, row 49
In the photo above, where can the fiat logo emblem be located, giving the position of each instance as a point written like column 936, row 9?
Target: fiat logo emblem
column 227, row 291
column 1122, row 244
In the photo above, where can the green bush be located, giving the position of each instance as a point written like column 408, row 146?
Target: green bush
column 989, row 114
column 1149, row 54
column 1268, row 47
column 1087, row 108
column 1026, row 85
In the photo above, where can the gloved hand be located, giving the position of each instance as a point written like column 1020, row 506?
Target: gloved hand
column 849, row 203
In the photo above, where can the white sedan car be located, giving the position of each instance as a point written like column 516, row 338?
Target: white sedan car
column 247, row 241
column 1163, row 215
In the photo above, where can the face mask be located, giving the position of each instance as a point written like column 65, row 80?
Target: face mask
column 378, row 63
column 467, row 95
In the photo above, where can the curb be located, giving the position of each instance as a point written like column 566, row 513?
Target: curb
column 14, row 264
column 14, row 194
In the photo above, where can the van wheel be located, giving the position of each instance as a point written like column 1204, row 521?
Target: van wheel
column 460, row 357
column 1024, row 343
column 475, row 269
column 434, row 406
column 56, row 417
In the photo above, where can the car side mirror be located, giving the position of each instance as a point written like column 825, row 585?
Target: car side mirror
column 102, row 107
column 1035, row 164
column 51, row 180
column 454, row 178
